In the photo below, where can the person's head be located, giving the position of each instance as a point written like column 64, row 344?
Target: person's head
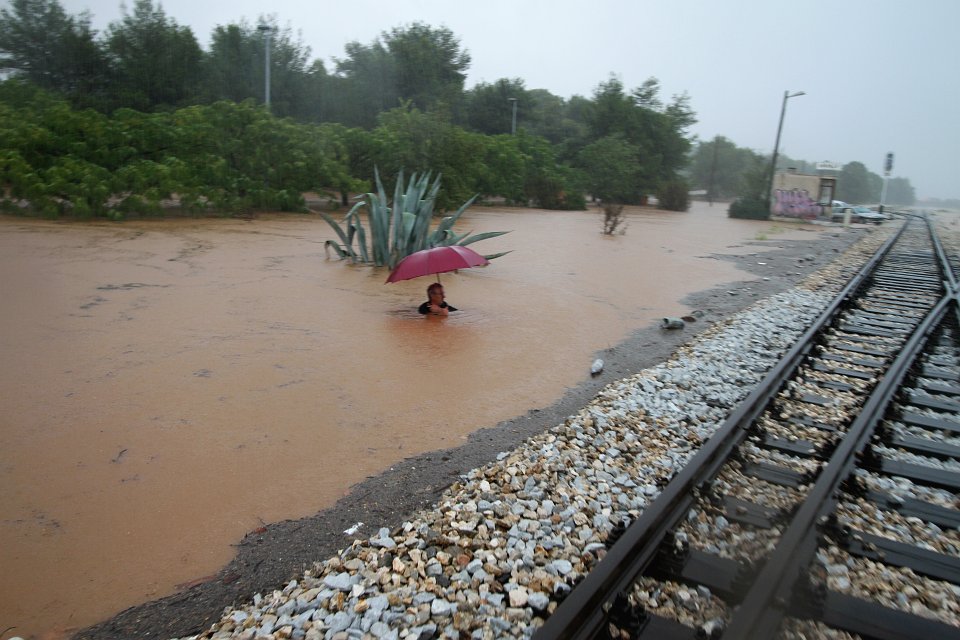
column 435, row 292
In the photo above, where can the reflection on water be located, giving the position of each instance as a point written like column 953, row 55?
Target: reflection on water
column 168, row 386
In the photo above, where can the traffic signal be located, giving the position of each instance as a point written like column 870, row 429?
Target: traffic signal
column 888, row 165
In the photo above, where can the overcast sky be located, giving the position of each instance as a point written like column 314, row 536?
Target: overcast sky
column 879, row 75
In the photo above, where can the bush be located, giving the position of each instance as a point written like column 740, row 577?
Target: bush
column 749, row 208
column 612, row 218
column 674, row 195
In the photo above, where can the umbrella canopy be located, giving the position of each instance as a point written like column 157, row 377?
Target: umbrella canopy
column 436, row 260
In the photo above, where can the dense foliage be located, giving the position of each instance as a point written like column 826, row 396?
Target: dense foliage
column 717, row 167
column 224, row 156
column 752, row 202
column 191, row 127
column 141, row 112
column 674, row 195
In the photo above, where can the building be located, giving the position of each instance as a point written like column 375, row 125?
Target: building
column 802, row 195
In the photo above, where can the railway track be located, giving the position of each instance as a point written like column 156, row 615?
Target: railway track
column 827, row 504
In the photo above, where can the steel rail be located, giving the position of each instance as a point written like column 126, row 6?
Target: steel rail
column 766, row 603
column 582, row 613
column 775, row 589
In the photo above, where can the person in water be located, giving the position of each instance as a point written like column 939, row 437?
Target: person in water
column 436, row 305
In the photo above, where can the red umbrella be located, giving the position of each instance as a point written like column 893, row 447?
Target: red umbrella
column 437, row 260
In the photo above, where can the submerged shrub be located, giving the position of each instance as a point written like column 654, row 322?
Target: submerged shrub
column 612, row 218
column 751, row 208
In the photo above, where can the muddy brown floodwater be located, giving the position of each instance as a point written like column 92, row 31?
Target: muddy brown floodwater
column 168, row 386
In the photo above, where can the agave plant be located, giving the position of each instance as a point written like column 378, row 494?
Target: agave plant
column 399, row 230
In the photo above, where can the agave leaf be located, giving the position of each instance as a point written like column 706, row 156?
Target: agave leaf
column 379, row 220
column 449, row 221
column 351, row 233
column 494, row 256
column 409, row 223
column 411, row 205
column 362, row 240
column 397, row 208
column 480, row 236
column 336, row 227
column 330, row 244
column 451, row 238
column 357, row 223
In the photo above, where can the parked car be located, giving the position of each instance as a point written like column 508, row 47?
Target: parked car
column 858, row 213
column 866, row 214
column 837, row 209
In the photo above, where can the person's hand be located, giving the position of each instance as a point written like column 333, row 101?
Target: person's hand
column 437, row 310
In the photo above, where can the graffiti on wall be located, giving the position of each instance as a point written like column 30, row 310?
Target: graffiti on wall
column 795, row 203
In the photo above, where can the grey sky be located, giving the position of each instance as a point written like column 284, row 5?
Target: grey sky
column 880, row 75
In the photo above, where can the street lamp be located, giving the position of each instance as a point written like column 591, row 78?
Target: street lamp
column 513, row 124
column 267, row 30
column 776, row 145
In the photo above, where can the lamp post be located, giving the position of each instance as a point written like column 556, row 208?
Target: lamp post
column 267, row 30
column 776, row 145
column 513, row 122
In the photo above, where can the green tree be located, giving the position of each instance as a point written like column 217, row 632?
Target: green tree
column 718, row 166
column 856, row 185
column 41, row 43
column 656, row 133
column 156, row 61
column 504, row 169
column 900, row 191
column 365, row 83
column 291, row 74
column 430, row 64
column 351, row 153
column 547, row 115
column 488, row 108
column 751, row 199
column 610, row 167
column 412, row 140
column 233, row 68
column 549, row 183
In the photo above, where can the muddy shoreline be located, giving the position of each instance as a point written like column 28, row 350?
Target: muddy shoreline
column 271, row 555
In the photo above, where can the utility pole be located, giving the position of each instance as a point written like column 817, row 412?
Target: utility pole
column 267, row 31
column 513, row 123
column 776, row 145
column 713, row 169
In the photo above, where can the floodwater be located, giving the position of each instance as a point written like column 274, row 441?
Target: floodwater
column 168, row 386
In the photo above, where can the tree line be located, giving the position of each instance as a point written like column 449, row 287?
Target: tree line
column 397, row 102
column 178, row 119
column 727, row 171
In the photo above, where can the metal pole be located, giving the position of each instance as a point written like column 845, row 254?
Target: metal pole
column 887, row 168
column 776, row 145
column 267, row 30
column 513, row 124
column 713, row 169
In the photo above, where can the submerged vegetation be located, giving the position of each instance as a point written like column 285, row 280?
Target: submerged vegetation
column 399, row 228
